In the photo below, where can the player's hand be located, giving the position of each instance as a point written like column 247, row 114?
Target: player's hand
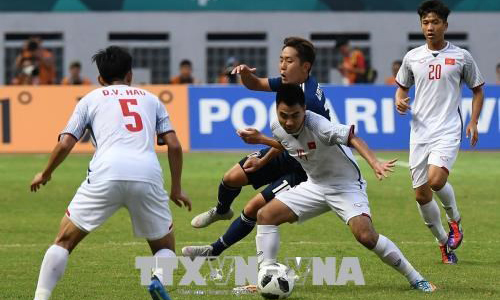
column 471, row 132
column 252, row 164
column 382, row 169
column 243, row 69
column 39, row 178
column 250, row 135
column 402, row 105
column 180, row 199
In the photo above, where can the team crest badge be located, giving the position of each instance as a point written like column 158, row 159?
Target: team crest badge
column 311, row 145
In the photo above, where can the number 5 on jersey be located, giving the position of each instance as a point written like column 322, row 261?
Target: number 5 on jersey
column 124, row 103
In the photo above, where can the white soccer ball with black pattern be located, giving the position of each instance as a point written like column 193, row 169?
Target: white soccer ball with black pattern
column 275, row 281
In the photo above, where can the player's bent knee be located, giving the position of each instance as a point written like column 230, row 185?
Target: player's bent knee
column 437, row 184
column 266, row 217
column 235, row 177
column 253, row 206
column 368, row 239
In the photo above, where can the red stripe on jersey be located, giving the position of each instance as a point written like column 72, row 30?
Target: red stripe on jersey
column 67, row 212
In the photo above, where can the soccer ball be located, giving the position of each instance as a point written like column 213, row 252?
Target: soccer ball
column 275, row 281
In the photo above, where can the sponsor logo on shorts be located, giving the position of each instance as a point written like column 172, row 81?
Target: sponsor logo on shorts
column 445, row 158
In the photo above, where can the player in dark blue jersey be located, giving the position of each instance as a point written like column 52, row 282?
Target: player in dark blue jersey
column 268, row 167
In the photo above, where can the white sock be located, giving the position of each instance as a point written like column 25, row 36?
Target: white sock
column 432, row 218
column 391, row 255
column 268, row 244
column 158, row 272
column 52, row 269
column 447, row 197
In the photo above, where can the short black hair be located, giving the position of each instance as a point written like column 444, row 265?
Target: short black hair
column 290, row 94
column 185, row 62
column 434, row 6
column 342, row 41
column 304, row 48
column 113, row 63
column 75, row 64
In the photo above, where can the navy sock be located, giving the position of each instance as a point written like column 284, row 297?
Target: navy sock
column 239, row 229
column 226, row 197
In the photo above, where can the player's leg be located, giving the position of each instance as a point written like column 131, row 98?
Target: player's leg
column 427, row 206
column 244, row 224
column 362, row 228
column 56, row 257
column 441, row 160
column 152, row 219
column 231, row 184
column 300, row 203
column 267, row 239
column 163, row 247
column 91, row 206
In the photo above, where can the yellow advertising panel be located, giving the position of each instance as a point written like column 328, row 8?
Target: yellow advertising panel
column 31, row 117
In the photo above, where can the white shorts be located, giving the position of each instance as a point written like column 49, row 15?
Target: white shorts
column 147, row 205
column 308, row 200
column 441, row 153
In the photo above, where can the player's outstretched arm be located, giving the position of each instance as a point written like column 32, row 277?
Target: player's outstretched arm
column 249, row 80
column 175, row 163
column 253, row 136
column 402, row 100
column 381, row 169
column 61, row 150
column 477, row 105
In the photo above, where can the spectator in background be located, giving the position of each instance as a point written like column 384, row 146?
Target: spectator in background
column 38, row 60
column 353, row 65
column 27, row 73
column 185, row 73
column 75, row 78
column 226, row 77
column 498, row 73
column 391, row 80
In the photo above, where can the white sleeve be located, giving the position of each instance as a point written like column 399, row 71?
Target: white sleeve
column 163, row 123
column 277, row 131
column 471, row 74
column 405, row 74
column 79, row 121
column 330, row 133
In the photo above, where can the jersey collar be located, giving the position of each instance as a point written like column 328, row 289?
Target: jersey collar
column 438, row 51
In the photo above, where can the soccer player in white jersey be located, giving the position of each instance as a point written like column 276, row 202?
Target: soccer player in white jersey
column 437, row 70
column 334, row 182
column 124, row 171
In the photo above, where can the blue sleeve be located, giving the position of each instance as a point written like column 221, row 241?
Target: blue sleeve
column 274, row 83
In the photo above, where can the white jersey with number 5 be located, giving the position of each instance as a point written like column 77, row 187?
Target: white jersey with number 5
column 437, row 76
column 123, row 122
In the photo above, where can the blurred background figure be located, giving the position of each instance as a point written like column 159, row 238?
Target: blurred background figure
column 75, row 78
column 353, row 64
column 498, row 73
column 391, row 80
column 35, row 65
column 185, row 73
column 226, row 77
column 26, row 73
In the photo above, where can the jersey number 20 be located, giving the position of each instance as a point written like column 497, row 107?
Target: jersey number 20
column 434, row 72
column 124, row 103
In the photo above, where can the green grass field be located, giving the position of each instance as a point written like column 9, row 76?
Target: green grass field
column 102, row 267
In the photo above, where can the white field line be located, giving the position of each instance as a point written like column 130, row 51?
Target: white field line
column 87, row 246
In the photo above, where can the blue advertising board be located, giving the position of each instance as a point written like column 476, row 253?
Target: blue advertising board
column 216, row 113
